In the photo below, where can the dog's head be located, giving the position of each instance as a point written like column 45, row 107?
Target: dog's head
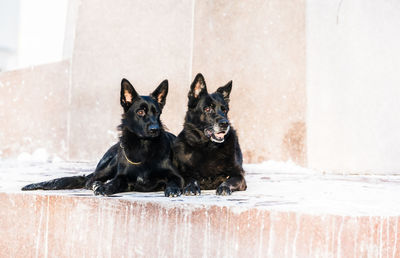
column 209, row 112
column 142, row 113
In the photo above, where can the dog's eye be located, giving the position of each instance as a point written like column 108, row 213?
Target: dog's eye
column 141, row 112
column 207, row 109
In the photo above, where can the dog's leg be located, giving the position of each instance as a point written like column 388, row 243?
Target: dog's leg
column 192, row 188
column 173, row 187
column 106, row 169
column 101, row 175
column 235, row 183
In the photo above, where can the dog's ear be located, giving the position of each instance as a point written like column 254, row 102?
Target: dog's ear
column 225, row 91
column 128, row 94
column 160, row 94
column 197, row 89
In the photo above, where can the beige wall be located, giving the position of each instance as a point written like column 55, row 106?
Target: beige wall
column 261, row 46
column 353, row 86
column 258, row 44
column 33, row 110
column 343, row 121
column 143, row 41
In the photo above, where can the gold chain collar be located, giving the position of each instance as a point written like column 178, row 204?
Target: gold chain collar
column 131, row 162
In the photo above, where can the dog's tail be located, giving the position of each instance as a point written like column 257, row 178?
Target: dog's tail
column 78, row 182
column 71, row 182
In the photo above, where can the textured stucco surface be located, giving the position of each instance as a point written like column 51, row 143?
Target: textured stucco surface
column 353, row 67
column 34, row 110
column 317, row 87
column 262, row 50
column 143, row 41
column 260, row 45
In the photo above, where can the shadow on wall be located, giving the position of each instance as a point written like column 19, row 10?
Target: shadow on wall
column 294, row 143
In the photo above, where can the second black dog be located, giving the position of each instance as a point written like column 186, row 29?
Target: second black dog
column 140, row 161
column 207, row 151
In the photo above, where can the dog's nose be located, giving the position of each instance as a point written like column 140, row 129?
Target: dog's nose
column 154, row 128
column 223, row 123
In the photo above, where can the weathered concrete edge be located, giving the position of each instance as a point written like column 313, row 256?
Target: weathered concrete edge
column 67, row 226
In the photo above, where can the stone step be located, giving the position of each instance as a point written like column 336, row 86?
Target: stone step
column 287, row 212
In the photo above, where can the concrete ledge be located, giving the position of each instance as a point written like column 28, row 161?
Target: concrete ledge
column 34, row 108
column 75, row 226
column 255, row 223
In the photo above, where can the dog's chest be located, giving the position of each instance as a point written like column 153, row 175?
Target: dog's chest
column 210, row 163
column 142, row 179
column 138, row 175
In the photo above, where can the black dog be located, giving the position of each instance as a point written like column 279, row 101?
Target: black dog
column 207, row 151
column 141, row 160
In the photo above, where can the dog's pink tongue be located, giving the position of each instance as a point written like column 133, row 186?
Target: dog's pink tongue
column 220, row 135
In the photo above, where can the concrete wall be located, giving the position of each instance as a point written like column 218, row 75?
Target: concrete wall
column 258, row 44
column 143, row 41
column 353, row 85
column 343, row 121
column 261, row 46
column 262, row 49
column 34, row 109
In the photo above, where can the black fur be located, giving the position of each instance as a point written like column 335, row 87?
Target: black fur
column 207, row 151
column 143, row 140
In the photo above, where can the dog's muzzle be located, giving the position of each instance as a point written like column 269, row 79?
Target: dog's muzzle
column 216, row 133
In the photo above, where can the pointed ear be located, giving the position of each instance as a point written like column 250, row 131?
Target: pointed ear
column 197, row 89
column 160, row 94
column 225, row 91
column 128, row 94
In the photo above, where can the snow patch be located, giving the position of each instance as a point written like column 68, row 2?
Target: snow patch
column 39, row 155
column 273, row 186
column 277, row 167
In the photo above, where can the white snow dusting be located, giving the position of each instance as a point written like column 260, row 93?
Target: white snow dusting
column 275, row 186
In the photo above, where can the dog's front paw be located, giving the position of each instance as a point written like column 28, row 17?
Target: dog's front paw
column 95, row 185
column 172, row 191
column 91, row 184
column 99, row 188
column 223, row 190
column 192, row 188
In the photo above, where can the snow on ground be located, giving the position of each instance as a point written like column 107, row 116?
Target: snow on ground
column 276, row 186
